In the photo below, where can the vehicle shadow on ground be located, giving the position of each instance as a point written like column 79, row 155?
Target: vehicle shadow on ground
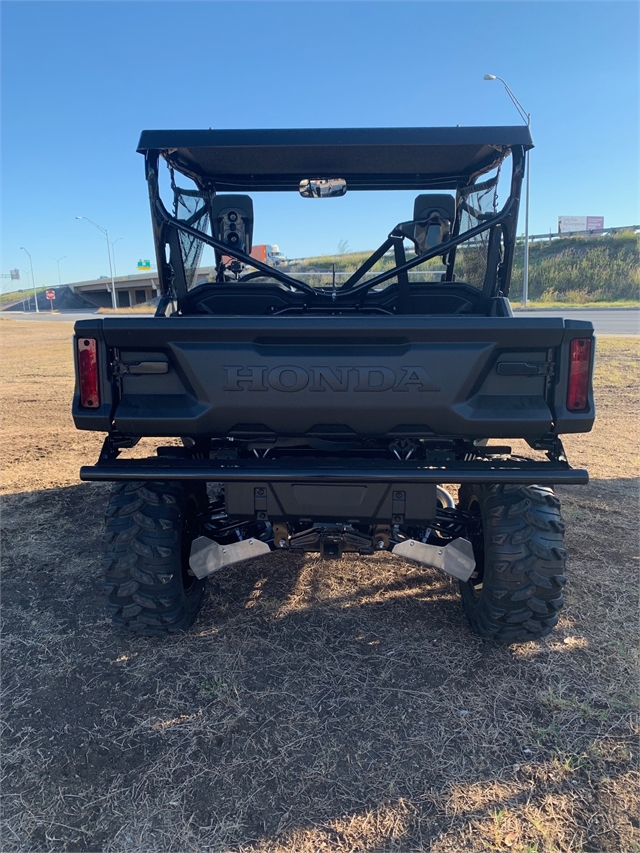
column 343, row 704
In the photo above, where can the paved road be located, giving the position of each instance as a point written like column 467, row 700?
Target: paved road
column 48, row 316
column 606, row 321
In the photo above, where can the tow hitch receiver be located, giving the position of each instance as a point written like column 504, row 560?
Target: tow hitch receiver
column 208, row 557
column 455, row 559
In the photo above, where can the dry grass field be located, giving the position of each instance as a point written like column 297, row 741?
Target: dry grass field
column 339, row 706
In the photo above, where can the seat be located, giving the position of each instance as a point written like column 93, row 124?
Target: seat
column 241, row 298
column 433, row 298
column 434, row 215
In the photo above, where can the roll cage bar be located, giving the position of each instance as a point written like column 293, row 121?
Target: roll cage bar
column 498, row 270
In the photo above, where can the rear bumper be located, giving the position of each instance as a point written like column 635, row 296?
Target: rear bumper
column 284, row 471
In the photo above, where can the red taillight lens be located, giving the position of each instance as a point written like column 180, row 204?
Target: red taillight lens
column 88, row 373
column 579, row 362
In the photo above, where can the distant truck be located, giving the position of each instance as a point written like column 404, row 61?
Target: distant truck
column 268, row 254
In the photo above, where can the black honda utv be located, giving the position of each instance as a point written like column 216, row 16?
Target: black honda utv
column 332, row 416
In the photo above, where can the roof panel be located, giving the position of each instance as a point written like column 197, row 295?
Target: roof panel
column 369, row 158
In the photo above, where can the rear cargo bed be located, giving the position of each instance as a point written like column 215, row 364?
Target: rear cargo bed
column 416, row 376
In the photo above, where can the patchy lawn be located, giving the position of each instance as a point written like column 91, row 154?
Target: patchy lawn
column 336, row 706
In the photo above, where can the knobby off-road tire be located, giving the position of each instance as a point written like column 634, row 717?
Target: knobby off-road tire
column 516, row 592
column 149, row 530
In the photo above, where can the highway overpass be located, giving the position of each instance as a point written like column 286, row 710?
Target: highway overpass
column 130, row 289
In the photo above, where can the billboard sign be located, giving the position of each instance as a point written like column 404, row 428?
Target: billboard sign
column 566, row 224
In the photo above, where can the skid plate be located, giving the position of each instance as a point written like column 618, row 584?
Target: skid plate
column 455, row 559
column 208, row 557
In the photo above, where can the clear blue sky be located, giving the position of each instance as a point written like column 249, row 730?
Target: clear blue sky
column 80, row 80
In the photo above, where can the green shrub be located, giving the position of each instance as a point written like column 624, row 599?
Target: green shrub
column 580, row 269
column 571, row 269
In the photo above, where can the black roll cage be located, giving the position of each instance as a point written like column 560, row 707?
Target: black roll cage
column 498, row 270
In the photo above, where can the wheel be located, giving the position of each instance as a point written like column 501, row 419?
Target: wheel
column 149, row 530
column 515, row 593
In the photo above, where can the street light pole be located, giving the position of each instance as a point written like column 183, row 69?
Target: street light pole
column 113, row 253
column 57, row 260
column 33, row 281
column 525, row 265
column 26, row 301
column 527, row 118
column 106, row 234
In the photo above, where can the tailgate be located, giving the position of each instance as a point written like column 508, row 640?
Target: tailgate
column 369, row 376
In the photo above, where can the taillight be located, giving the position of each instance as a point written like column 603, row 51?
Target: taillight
column 88, row 373
column 579, row 362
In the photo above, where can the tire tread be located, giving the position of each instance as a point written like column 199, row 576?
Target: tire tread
column 142, row 557
column 524, row 563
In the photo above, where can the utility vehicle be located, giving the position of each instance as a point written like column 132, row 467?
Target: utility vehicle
column 336, row 417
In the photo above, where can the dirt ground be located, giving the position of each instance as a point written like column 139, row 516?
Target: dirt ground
column 339, row 706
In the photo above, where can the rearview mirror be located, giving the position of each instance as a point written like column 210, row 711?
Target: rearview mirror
column 322, row 187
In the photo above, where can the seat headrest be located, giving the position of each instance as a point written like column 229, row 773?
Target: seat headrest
column 232, row 221
column 442, row 204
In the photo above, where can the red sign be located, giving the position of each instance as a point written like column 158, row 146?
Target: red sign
column 50, row 294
